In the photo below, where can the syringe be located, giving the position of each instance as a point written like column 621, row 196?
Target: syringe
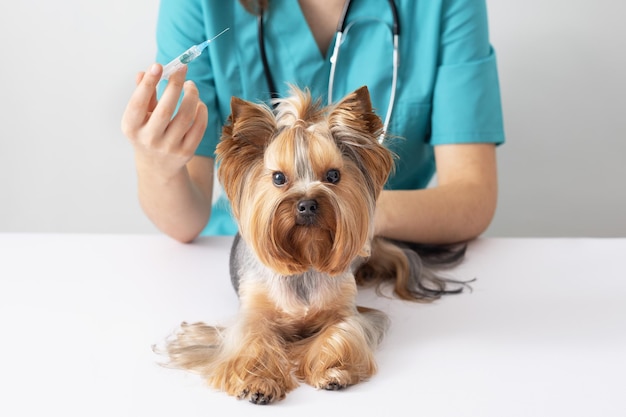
column 187, row 56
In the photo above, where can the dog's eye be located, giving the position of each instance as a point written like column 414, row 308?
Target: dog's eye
column 279, row 178
column 333, row 176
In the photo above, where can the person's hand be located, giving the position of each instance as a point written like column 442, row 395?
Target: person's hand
column 163, row 145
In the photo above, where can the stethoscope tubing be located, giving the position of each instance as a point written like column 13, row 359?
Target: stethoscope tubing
column 341, row 30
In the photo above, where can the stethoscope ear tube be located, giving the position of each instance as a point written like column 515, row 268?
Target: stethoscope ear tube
column 333, row 65
column 266, row 66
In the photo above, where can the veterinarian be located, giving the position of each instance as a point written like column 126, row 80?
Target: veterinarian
column 446, row 116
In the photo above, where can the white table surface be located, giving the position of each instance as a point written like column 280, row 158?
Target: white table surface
column 542, row 334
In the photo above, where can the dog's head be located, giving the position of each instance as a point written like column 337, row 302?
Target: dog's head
column 303, row 179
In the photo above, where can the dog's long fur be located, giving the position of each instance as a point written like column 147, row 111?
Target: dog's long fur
column 303, row 181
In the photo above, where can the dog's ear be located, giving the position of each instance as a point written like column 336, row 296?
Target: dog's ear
column 244, row 139
column 354, row 114
column 356, row 128
column 249, row 122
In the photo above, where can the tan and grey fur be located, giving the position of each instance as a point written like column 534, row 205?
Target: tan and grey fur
column 296, row 266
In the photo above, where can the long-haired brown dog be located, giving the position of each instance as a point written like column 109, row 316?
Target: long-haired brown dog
column 303, row 182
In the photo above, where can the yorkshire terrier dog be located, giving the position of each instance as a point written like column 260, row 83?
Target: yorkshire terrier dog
column 303, row 180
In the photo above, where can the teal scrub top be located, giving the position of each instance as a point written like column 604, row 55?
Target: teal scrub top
column 447, row 91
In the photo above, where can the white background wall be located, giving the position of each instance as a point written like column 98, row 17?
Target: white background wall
column 68, row 66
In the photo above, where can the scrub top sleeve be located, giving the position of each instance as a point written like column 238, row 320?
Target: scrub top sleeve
column 180, row 25
column 466, row 98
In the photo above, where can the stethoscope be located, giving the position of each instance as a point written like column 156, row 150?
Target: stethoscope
column 342, row 31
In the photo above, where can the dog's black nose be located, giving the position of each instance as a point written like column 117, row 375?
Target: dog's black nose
column 306, row 211
column 307, row 207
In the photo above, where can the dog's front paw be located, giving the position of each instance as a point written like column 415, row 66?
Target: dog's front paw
column 333, row 379
column 334, row 386
column 260, row 398
column 263, row 392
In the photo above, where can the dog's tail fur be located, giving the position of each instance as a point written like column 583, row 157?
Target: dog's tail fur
column 413, row 270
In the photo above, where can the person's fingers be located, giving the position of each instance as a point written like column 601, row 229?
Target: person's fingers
column 196, row 131
column 139, row 77
column 163, row 112
column 140, row 102
column 185, row 115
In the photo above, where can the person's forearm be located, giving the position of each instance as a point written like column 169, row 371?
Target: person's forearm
column 445, row 214
column 175, row 205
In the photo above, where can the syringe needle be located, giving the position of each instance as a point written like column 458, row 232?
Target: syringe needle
column 187, row 56
column 216, row 36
